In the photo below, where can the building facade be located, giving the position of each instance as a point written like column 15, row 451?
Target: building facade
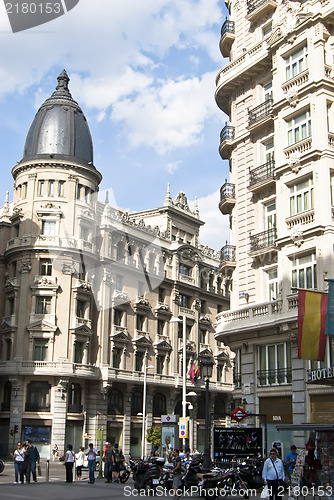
column 277, row 91
column 87, row 292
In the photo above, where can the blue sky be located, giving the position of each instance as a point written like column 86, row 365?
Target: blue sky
column 144, row 75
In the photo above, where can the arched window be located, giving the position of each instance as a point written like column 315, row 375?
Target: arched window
column 74, row 398
column 178, row 409
column 136, row 403
column 201, row 407
column 219, row 408
column 159, row 405
column 115, row 402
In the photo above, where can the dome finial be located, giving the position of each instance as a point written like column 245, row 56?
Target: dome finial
column 63, row 80
column 168, row 198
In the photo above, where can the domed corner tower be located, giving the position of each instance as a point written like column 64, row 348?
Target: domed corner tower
column 50, row 316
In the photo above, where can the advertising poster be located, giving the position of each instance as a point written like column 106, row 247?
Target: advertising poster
column 236, row 442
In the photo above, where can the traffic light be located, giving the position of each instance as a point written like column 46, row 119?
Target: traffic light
column 11, row 432
column 16, row 429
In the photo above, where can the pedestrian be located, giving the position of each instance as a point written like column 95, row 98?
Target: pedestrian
column 116, row 463
column 291, row 460
column 18, row 456
column 108, row 463
column 54, row 452
column 79, row 462
column 273, row 474
column 69, row 462
column 176, row 471
column 32, row 457
column 91, row 454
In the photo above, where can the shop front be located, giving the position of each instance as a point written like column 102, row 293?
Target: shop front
column 39, row 433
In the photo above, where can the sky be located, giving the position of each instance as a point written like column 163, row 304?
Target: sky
column 144, row 76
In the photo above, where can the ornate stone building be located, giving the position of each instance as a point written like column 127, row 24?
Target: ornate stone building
column 87, row 291
column 277, row 90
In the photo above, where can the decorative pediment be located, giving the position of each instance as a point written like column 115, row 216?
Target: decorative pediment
column 119, row 336
column 6, row 328
column 84, row 287
column 41, row 326
column 163, row 346
column 190, row 347
column 163, row 309
column 205, row 353
column 142, row 342
column 205, row 320
column 189, row 253
column 82, row 330
column 49, row 282
column 142, row 303
column 120, row 298
column 222, row 356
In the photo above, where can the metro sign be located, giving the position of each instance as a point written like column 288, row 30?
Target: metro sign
column 239, row 414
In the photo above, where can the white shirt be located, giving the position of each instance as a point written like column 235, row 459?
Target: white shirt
column 90, row 455
column 18, row 456
column 80, row 458
column 69, row 456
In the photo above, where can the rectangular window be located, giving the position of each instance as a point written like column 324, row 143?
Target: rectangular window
column 118, row 317
column 61, row 188
column 301, row 197
column 299, row 128
column 160, row 364
column 140, row 322
column 41, row 185
column 48, row 228
column 51, row 188
column 79, row 191
column 203, row 336
column 78, row 352
column 304, row 272
column 43, row 305
column 24, row 189
column 185, row 270
column 81, row 306
column 139, row 361
column 180, row 331
column 272, row 284
column 237, row 369
column 162, row 294
column 118, row 282
column 296, row 63
column 41, row 350
column 45, row 267
column 274, row 364
column 161, row 326
column 8, row 352
column 185, row 301
column 84, row 233
column 267, row 29
column 116, row 358
column 11, row 306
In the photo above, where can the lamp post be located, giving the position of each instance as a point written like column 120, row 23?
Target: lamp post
column 207, row 365
column 184, row 365
column 143, row 439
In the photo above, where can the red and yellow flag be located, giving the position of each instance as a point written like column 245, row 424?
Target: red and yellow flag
column 312, row 311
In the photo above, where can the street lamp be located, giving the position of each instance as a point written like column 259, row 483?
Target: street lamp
column 207, row 365
column 184, row 365
column 143, row 439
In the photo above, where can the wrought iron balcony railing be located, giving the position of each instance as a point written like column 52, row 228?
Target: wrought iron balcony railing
column 36, row 407
column 275, row 377
column 261, row 111
column 228, row 27
column 261, row 173
column 228, row 253
column 227, row 191
column 227, row 133
column 266, row 239
column 74, row 408
column 237, row 379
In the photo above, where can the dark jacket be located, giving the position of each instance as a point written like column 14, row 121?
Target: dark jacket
column 32, row 454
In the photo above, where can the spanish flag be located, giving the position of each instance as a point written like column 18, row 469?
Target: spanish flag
column 312, row 311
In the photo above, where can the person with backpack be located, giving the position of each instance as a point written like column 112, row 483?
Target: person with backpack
column 32, row 455
column 116, row 463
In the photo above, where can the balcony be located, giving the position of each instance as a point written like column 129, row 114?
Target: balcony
column 262, row 176
column 226, row 140
column 227, row 37
column 274, row 377
column 74, row 408
column 257, row 8
column 186, row 278
column 227, row 198
column 36, row 407
column 260, row 115
column 228, row 258
column 262, row 242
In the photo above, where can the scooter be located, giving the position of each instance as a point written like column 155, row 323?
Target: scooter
column 124, row 473
column 146, row 474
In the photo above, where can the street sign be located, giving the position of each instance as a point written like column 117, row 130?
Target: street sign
column 183, row 428
column 239, row 414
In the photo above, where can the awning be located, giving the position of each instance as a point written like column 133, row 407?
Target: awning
column 305, row 427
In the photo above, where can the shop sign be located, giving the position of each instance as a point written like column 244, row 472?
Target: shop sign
column 322, row 374
column 169, row 419
column 239, row 414
column 183, row 428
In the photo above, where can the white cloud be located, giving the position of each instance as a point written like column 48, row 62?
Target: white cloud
column 215, row 231
column 171, row 167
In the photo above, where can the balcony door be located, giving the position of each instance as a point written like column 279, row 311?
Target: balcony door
column 271, row 222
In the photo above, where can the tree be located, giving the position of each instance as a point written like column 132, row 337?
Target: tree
column 153, row 436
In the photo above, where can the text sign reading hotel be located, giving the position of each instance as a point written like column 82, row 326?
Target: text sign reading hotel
column 322, row 374
column 239, row 414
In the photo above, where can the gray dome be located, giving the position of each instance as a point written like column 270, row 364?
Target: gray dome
column 60, row 128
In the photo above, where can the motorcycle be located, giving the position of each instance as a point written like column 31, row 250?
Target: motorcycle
column 2, row 466
column 166, row 478
column 232, row 482
column 146, row 474
column 189, row 478
column 124, row 473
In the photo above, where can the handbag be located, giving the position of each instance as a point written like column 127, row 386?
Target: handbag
column 39, row 470
column 265, row 492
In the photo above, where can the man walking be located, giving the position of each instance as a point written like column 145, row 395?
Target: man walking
column 91, row 454
column 116, row 465
column 32, row 455
column 273, row 474
column 108, row 463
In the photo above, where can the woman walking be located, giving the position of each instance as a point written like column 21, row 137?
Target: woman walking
column 79, row 462
column 69, row 461
column 18, row 456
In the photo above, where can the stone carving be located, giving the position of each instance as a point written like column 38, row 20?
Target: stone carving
column 67, row 268
column 181, row 201
column 294, row 162
column 296, row 235
column 292, row 97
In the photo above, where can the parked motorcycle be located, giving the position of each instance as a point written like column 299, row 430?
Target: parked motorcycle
column 146, row 474
column 124, row 473
column 166, row 478
column 189, row 478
